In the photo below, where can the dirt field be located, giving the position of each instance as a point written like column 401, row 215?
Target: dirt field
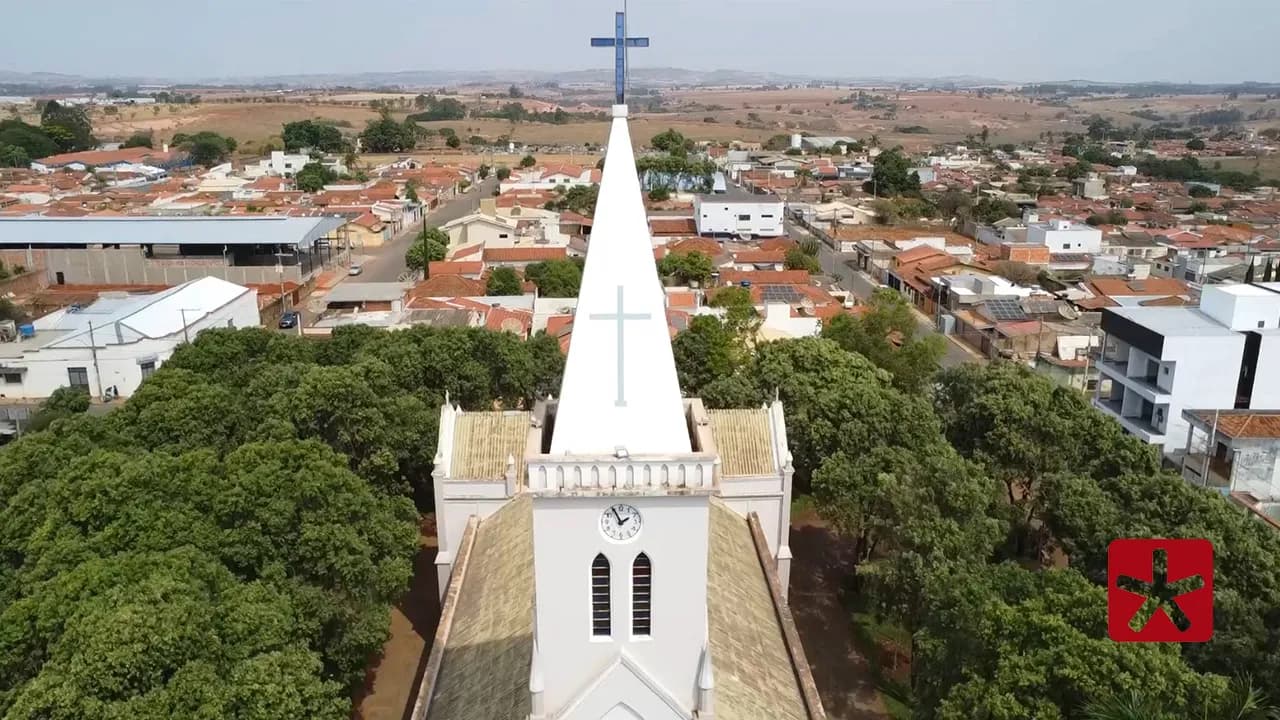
column 249, row 123
column 1268, row 167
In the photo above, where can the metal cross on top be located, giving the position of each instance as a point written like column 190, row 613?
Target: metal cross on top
column 620, row 42
column 621, row 317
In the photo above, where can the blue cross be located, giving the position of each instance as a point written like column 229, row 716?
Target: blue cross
column 620, row 42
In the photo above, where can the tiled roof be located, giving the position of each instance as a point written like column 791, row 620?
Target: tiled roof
column 482, row 442
column 447, row 286
column 530, row 254
column 673, row 226
column 484, row 664
column 453, row 267
column 1242, row 424
column 754, row 673
column 916, row 253
column 1119, row 287
column 771, row 277
column 744, row 441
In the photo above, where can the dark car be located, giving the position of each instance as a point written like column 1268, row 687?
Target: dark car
column 289, row 320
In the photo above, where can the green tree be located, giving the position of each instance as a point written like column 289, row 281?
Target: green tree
column 504, row 281
column 313, row 177
column 579, row 198
column 798, row 259
column 893, row 174
column 705, row 352
column 1195, row 144
column 385, row 135
column 14, row 156
column 483, row 172
column 740, row 316
column 74, row 121
column 989, row 210
column 312, row 135
column 888, row 335
column 955, row 204
column 503, row 172
column 528, row 161
column 686, row 268
column 778, row 143
column 34, row 140
column 140, row 139
column 453, row 142
column 431, row 245
column 661, row 193
column 206, row 148
column 671, row 142
column 555, row 278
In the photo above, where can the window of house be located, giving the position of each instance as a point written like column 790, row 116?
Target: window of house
column 601, row 626
column 744, row 218
column 13, row 378
column 1262, row 323
column 641, row 595
column 502, row 236
column 147, row 368
column 767, row 216
column 78, row 377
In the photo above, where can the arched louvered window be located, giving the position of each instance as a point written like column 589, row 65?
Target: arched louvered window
column 600, row 622
column 641, row 595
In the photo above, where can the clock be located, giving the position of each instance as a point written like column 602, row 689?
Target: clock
column 620, row 522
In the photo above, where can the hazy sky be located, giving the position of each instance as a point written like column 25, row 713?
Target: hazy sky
column 1122, row 40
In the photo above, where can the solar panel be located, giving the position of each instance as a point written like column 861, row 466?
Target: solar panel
column 779, row 294
column 1005, row 310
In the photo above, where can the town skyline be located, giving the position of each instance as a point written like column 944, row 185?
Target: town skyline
column 1015, row 42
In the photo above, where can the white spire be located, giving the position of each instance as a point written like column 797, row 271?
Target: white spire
column 632, row 400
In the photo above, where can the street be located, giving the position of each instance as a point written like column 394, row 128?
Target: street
column 386, row 264
column 851, row 279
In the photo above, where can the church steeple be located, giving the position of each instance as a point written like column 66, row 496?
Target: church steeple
column 620, row 388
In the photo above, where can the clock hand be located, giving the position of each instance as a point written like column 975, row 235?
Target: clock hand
column 616, row 516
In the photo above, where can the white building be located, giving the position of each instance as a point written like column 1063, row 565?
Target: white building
column 111, row 346
column 549, row 177
column 1163, row 360
column 620, row 553
column 1064, row 236
column 737, row 212
column 282, row 164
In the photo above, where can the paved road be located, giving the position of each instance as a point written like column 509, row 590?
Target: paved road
column 840, row 265
column 386, row 264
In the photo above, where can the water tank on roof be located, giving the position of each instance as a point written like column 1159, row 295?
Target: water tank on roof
column 26, row 330
column 745, row 283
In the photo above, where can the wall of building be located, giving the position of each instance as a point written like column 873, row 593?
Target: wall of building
column 1241, row 311
column 1205, row 374
column 118, row 366
column 674, row 534
column 1256, row 470
column 129, row 266
column 716, row 216
column 1075, row 240
column 1266, row 382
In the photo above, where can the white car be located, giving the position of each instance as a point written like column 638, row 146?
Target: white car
column 355, row 270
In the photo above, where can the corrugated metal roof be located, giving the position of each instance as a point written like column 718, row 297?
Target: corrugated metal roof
column 482, row 442
column 744, row 441
column 269, row 230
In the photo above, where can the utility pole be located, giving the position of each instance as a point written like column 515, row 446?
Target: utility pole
column 93, row 351
column 186, row 338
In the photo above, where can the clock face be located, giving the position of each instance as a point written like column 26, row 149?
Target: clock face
column 620, row 523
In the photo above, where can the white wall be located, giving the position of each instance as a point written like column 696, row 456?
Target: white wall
column 119, row 365
column 566, row 538
column 1076, row 240
column 1205, row 373
column 1242, row 309
column 717, row 215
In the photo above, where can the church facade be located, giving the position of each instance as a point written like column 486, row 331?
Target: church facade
column 619, row 552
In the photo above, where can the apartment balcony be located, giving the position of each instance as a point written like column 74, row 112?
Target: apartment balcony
column 1139, row 425
column 1145, row 385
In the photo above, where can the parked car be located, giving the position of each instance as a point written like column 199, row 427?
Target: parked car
column 289, row 320
column 355, row 270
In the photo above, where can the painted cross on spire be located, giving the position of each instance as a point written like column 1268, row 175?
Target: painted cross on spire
column 620, row 42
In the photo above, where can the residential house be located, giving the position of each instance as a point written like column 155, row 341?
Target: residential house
column 739, row 213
